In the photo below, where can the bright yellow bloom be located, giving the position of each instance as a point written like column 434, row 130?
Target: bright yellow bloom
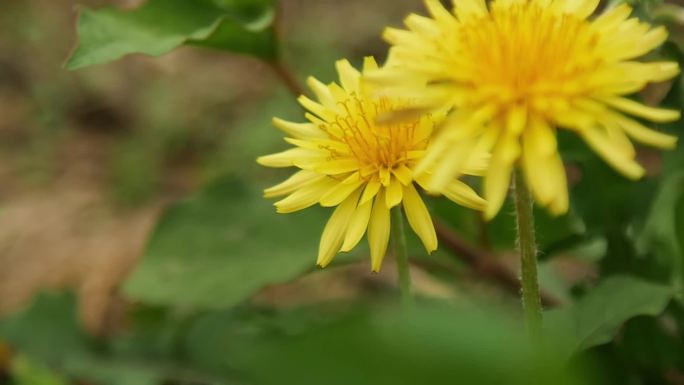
column 349, row 160
column 514, row 72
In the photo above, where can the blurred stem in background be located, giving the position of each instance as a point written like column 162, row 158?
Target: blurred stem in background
column 284, row 72
column 287, row 77
column 401, row 255
column 531, row 299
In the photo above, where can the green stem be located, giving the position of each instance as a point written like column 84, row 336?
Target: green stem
column 401, row 255
column 531, row 299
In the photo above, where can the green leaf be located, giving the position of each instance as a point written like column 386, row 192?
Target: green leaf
column 242, row 39
column 649, row 343
column 48, row 322
column 376, row 345
column 160, row 26
column 613, row 213
column 661, row 236
column 47, row 337
column 596, row 317
column 617, row 204
column 221, row 246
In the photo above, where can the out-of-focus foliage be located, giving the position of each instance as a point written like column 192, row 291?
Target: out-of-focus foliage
column 162, row 25
column 28, row 372
column 45, row 326
column 343, row 343
column 48, row 332
column 429, row 344
column 221, row 246
column 596, row 317
column 662, row 231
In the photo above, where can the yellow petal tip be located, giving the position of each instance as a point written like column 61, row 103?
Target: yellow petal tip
column 490, row 213
column 322, row 262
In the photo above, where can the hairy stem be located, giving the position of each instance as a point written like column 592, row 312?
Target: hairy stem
column 531, row 300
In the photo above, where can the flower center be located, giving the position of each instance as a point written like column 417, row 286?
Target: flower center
column 522, row 52
column 377, row 147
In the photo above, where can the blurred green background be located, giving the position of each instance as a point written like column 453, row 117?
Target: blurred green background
column 135, row 246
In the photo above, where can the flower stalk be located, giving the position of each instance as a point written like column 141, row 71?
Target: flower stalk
column 531, row 299
column 401, row 255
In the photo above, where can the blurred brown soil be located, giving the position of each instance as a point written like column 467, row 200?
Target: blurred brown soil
column 69, row 237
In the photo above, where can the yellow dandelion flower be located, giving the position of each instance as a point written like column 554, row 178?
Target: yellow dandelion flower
column 349, row 160
column 513, row 72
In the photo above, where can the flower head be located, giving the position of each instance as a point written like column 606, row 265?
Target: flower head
column 514, row 72
column 349, row 160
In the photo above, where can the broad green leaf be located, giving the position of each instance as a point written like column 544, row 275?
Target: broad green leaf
column 221, row 246
column 650, row 343
column 375, row 345
column 253, row 39
column 596, row 317
column 47, row 339
column 49, row 322
column 613, row 212
column 661, row 236
column 159, row 26
column 617, row 204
